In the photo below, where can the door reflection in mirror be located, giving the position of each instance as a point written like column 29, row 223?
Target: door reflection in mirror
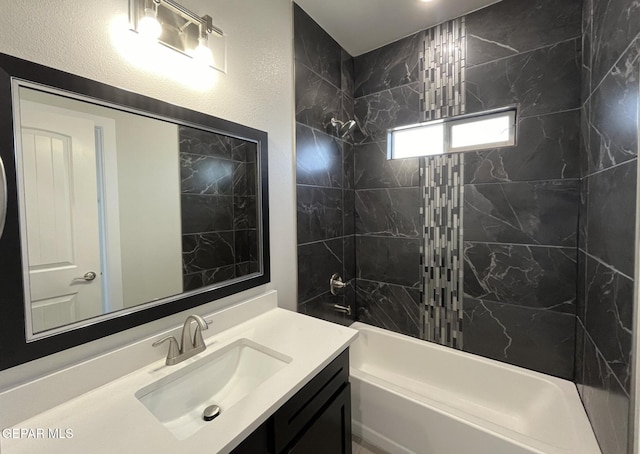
column 153, row 208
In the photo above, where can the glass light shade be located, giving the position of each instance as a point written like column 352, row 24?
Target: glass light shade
column 149, row 27
column 202, row 54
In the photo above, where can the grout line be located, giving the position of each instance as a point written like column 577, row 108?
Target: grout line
column 606, row 265
column 573, row 109
column 549, row 246
column 304, row 185
column 610, row 70
column 342, row 237
column 313, row 128
column 321, row 76
column 510, row 304
column 550, row 180
column 386, row 283
column 374, row 93
column 602, row 357
column 611, row 167
column 575, row 38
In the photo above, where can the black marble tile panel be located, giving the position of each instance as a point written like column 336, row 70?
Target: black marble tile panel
column 374, row 170
column 192, row 281
column 578, row 365
column 201, row 214
column 537, row 277
column 543, row 212
column 390, row 66
column 244, row 151
column 612, row 216
column 348, row 163
column 205, row 143
column 245, row 268
column 547, row 148
column 587, row 42
column 349, row 212
column 317, row 101
column 585, row 138
column 246, row 246
column 388, row 212
column 386, row 109
column 609, row 317
column 316, row 263
column 244, row 178
column 347, row 106
column 389, row 306
column 615, row 24
column 205, row 175
column 349, row 258
column 245, row 213
column 207, row 251
column 583, row 214
column 614, row 114
column 318, row 158
column 581, row 287
column 208, row 277
column 322, row 307
column 216, row 275
column 536, row 339
column 348, row 74
column 607, row 405
column 515, row 26
column 315, row 48
column 319, row 213
column 542, row 81
column 389, row 260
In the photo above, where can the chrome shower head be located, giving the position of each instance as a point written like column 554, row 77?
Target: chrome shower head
column 343, row 127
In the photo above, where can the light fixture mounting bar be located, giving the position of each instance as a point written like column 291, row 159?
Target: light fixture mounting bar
column 205, row 21
column 181, row 29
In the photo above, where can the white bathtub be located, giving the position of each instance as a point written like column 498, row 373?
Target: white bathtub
column 411, row 396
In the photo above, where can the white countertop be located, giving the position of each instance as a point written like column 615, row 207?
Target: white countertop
column 110, row 418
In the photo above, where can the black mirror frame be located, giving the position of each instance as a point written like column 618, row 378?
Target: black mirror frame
column 14, row 349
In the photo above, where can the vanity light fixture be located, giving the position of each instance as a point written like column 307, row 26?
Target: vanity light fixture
column 149, row 27
column 175, row 26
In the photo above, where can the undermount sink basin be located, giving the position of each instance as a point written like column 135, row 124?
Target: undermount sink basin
column 222, row 378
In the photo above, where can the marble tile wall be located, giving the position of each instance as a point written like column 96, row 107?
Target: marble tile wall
column 387, row 193
column 326, row 199
column 608, row 164
column 219, row 207
column 521, row 203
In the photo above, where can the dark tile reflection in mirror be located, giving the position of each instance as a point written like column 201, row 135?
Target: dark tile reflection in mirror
column 219, row 207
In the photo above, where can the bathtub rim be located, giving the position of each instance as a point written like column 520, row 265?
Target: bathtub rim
column 583, row 434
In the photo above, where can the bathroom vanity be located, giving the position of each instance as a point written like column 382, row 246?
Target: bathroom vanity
column 279, row 377
column 316, row 420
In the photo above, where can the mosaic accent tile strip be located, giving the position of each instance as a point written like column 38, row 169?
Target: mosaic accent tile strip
column 442, row 180
column 442, row 252
column 443, row 70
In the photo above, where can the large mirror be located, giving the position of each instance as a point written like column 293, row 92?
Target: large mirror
column 125, row 209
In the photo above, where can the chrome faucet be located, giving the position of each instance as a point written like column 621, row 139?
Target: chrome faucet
column 191, row 345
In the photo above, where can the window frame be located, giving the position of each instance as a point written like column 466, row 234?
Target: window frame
column 449, row 123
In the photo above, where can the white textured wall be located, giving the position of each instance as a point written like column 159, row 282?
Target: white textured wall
column 78, row 37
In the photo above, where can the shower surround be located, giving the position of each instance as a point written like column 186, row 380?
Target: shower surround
column 548, row 224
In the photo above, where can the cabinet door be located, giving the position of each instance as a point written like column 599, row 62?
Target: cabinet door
column 331, row 431
column 256, row 443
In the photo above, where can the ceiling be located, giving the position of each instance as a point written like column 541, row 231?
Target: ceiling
column 363, row 25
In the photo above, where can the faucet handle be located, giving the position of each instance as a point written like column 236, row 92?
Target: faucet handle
column 174, row 349
column 198, row 340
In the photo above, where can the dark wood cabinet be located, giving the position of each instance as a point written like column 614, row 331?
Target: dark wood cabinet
column 330, row 431
column 317, row 419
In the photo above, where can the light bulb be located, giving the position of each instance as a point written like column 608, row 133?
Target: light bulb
column 202, row 53
column 149, row 27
